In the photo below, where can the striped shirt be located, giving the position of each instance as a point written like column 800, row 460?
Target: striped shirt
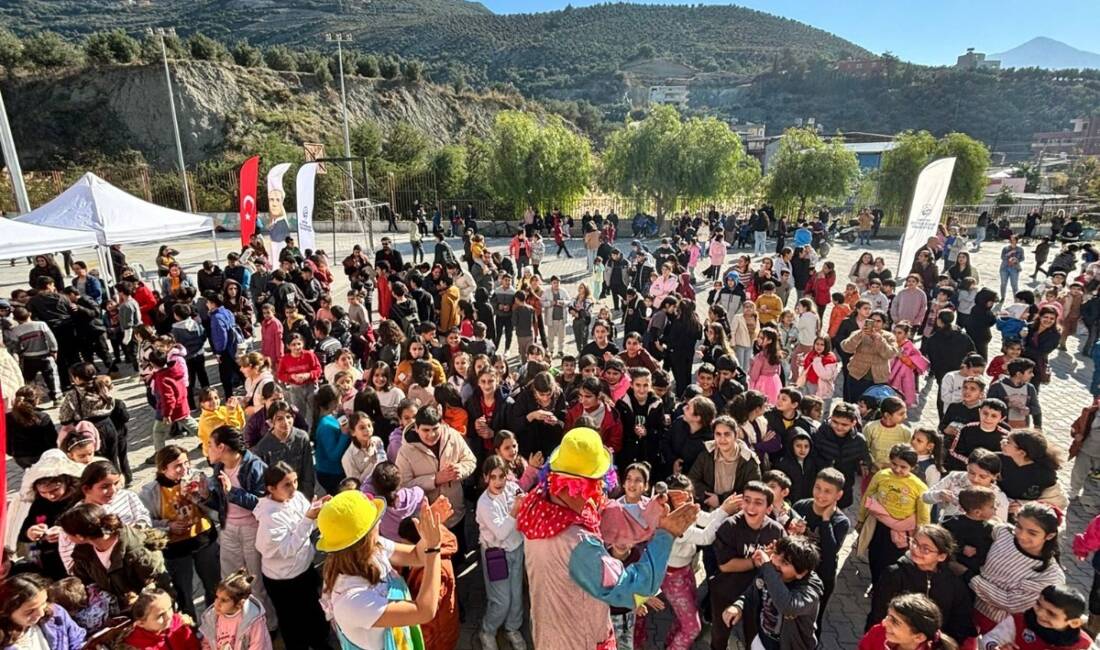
column 130, row 510
column 1010, row 581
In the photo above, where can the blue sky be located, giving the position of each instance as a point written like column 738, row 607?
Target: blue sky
column 930, row 32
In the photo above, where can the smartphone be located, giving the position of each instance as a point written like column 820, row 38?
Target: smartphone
column 343, row 420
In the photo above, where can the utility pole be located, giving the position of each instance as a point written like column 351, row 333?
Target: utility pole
column 11, row 158
column 161, row 33
column 340, row 39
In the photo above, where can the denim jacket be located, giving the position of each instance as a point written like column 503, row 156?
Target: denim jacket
column 251, row 476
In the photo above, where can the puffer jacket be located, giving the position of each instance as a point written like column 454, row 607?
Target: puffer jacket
column 418, row 466
column 846, row 453
column 253, row 622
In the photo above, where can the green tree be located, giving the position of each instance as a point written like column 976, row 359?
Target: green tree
column 367, row 66
column 406, row 147
column 366, row 142
column 901, row 165
column 809, row 169
column 413, row 71
column 248, row 56
column 280, row 58
column 151, row 52
column 449, row 166
column 540, row 163
column 968, row 180
column 389, row 68
column 479, row 157
column 50, row 50
column 665, row 160
column 317, row 64
column 115, row 46
column 11, row 50
column 204, row 48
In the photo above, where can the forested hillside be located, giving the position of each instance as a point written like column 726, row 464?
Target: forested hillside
column 534, row 51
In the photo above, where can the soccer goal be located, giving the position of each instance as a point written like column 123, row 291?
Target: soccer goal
column 357, row 215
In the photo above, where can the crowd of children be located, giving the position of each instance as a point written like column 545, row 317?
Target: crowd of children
column 359, row 458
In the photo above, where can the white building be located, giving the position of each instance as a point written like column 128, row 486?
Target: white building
column 675, row 95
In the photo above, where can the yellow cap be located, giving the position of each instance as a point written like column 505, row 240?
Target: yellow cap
column 346, row 519
column 581, row 453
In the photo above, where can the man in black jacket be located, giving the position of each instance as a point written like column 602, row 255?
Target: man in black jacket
column 55, row 311
column 88, row 326
column 389, row 254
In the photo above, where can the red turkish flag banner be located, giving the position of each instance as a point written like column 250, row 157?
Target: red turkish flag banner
column 3, row 468
column 249, row 172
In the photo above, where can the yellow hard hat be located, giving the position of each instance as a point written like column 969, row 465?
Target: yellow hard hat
column 346, row 519
column 581, row 453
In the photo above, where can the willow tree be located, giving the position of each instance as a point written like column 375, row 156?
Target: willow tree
column 665, row 159
column 809, row 169
column 537, row 161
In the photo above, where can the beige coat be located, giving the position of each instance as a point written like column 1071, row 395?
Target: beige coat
column 418, row 466
column 870, row 353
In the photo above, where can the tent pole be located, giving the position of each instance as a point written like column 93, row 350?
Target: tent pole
column 214, row 237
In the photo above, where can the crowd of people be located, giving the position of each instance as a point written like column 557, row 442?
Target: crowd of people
column 359, row 452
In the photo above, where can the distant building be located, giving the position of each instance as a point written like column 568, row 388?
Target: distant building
column 752, row 137
column 862, row 67
column 1083, row 138
column 975, row 61
column 675, row 95
column 868, row 147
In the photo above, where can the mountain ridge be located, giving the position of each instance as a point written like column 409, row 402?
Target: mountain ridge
column 1047, row 53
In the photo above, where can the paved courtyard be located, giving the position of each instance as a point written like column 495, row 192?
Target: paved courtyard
column 1062, row 401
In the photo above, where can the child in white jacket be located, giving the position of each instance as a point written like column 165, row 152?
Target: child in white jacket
column 982, row 469
column 678, row 585
column 287, row 519
column 501, row 554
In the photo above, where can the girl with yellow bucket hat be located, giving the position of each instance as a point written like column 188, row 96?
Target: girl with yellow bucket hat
column 367, row 601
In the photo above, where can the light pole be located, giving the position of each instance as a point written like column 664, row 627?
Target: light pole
column 11, row 157
column 340, row 39
column 161, row 33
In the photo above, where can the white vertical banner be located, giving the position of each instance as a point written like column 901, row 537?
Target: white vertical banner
column 925, row 212
column 307, row 177
column 277, row 228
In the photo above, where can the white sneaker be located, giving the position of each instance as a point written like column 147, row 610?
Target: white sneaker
column 516, row 640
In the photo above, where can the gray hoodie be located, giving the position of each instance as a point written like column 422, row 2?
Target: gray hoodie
column 190, row 334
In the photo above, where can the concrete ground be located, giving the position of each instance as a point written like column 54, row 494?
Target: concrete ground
column 1062, row 401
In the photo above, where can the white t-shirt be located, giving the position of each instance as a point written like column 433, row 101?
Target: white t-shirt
column 356, row 604
column 32, row 639
column 105, row 556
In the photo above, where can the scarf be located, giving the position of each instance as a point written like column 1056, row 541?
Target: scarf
column 540, row 518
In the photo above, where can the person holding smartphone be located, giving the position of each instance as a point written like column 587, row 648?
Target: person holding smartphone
column 872, row 350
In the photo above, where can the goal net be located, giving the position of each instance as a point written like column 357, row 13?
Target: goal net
column 358, row 215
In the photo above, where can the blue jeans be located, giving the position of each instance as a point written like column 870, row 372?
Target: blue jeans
column 760, row 242
column 1094, row 385
column 865, row 237
column 624, row 630
column 979, row 237
column 1010, row 275
column 505, row 606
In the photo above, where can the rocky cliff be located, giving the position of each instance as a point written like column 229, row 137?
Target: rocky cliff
column 109, row 110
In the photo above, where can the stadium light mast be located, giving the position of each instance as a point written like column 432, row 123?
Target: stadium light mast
column 161, row 33
column 340, row 39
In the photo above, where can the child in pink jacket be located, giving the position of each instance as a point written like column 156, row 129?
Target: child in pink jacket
column 905, row 367
column 717, row 252
column 271, row 334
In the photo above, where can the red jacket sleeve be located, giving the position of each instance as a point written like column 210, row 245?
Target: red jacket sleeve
column 612, row 429
column 284, row 370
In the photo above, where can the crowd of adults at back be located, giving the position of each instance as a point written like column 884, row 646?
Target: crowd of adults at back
column 400, row 422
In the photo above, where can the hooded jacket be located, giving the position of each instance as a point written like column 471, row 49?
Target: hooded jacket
column 846, row 453
column 190, row 334
column 802, row 474
column 945, row 349
column 537, row 435
column 253, row 623
column 796, row 602
column 132, row 566
column 179, row 636
column 942, row 586
column 59, row 630
column 170, row 388
column 418, row 465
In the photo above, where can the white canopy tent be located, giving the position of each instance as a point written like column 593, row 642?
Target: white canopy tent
column 117, row 217
column 26, row 240
column 113, row 216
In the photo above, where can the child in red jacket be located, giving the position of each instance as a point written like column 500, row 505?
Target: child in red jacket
column 299, row 371
column 170, row 388
column 157, row 627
